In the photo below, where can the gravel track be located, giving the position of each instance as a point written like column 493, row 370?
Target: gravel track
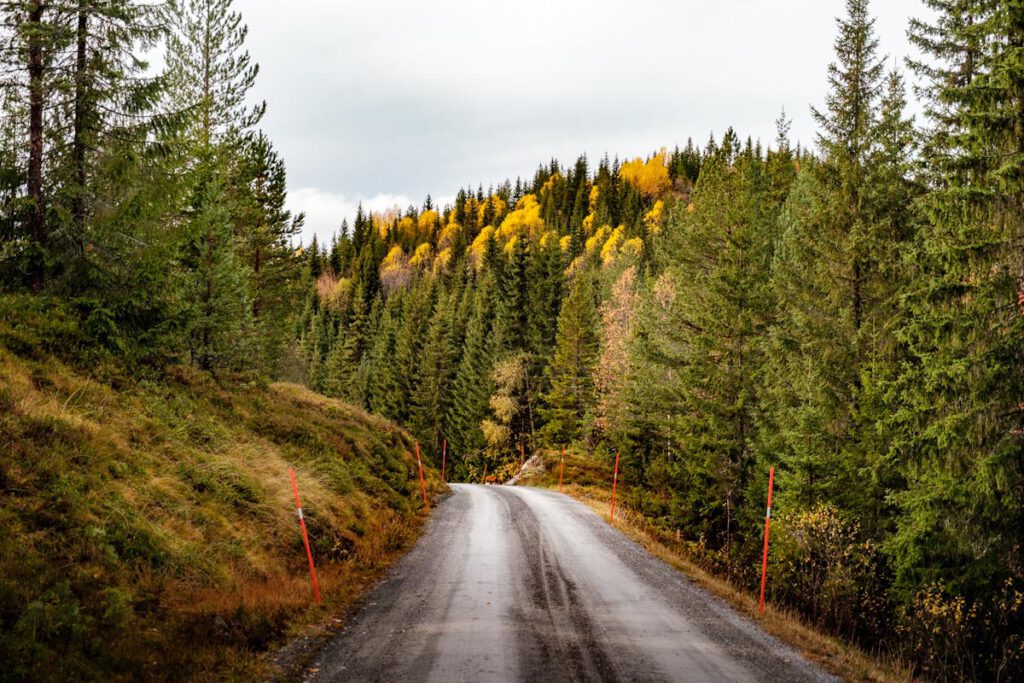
column 522, row 584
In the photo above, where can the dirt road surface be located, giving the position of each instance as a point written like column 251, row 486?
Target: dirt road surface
column 522, row 584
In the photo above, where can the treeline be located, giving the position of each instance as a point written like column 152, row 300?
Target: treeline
column 851, row 316
column 146, row 199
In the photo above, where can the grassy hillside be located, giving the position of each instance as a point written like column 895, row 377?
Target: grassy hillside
column 147, row 526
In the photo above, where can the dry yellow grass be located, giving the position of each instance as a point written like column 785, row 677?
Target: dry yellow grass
column 147, row 526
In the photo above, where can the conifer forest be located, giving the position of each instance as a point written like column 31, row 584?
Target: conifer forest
column 847, row 309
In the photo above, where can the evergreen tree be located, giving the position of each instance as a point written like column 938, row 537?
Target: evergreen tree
column 959, row 403
column 432, row 395
column 828, row 285
column 571, row 398
column 472, row 385
column 343, row 377
column 222, row 329
column 264, row 230
column 544, row 297
column 210, row 73
column 696, row 370
column 385, row 396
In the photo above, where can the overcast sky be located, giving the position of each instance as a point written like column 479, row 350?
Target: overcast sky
column 384, row 101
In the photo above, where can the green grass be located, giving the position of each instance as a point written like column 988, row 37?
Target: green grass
column 147, row 525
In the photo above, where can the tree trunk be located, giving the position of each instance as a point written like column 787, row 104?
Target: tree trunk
column 79, row 142
column 37, row 97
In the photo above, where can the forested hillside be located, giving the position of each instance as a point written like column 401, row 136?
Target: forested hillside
column 149, row 279
column 851, row 316
column 849, row 310
column 147, row 198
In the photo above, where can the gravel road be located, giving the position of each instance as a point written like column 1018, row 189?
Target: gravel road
column 522, row 584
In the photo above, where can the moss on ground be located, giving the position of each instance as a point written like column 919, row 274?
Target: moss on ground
column 147, row 526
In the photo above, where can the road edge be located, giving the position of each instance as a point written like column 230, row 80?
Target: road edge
column 832, row 654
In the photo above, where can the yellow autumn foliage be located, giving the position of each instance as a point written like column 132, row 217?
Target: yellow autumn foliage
column 444, row 258
column 632, row 247
column 548, row 237
column 524, row 220
column 650, row 177
column 383, row 220
column 610, row 250
column 449, row 233
column 550, row 184
column 595, row 241
column 588, row 223
column 394, row 270
column 595, row 193
column 479, row 246
column 407, row 228
column 496, row 203
column 428, row 219
column 422, row 254
column 654, row 218
column 565, row 243
column 394, row 258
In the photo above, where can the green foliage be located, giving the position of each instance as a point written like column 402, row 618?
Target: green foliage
column 570, row 401
column 137, row 513
column 702, row 327
column 852, row 316
column 958, row 416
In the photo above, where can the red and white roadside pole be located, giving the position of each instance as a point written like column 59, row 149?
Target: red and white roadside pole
column 615, row 484
column 767, row 526
column 561, row 471
column 444, row 458
column 305, row 537
column 423, row 482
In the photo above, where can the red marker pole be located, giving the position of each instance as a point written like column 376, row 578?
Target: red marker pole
column 305, row 537
column 423, row 482
column 484, row 480
column 561, row 471
column 615, row 484
column 444, row 458
column 767, row 525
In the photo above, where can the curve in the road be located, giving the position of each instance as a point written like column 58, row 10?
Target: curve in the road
column 521, row 584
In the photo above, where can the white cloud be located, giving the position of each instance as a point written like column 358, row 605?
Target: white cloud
column 325, row 210
column 371, row 97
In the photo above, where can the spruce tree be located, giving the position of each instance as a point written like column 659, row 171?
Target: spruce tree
column 210, row 74
column 209, row 71
column 432, row 394
column 264, row 230
column 959, row 401
column 570, row 400
column 222, row 329
column 473, row 383
column 343, row 377
column 828, row 285
column 701, row 329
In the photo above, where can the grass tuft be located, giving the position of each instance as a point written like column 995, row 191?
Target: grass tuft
column 147, row 524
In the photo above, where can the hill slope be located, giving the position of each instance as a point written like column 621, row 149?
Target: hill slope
column 147, row 525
